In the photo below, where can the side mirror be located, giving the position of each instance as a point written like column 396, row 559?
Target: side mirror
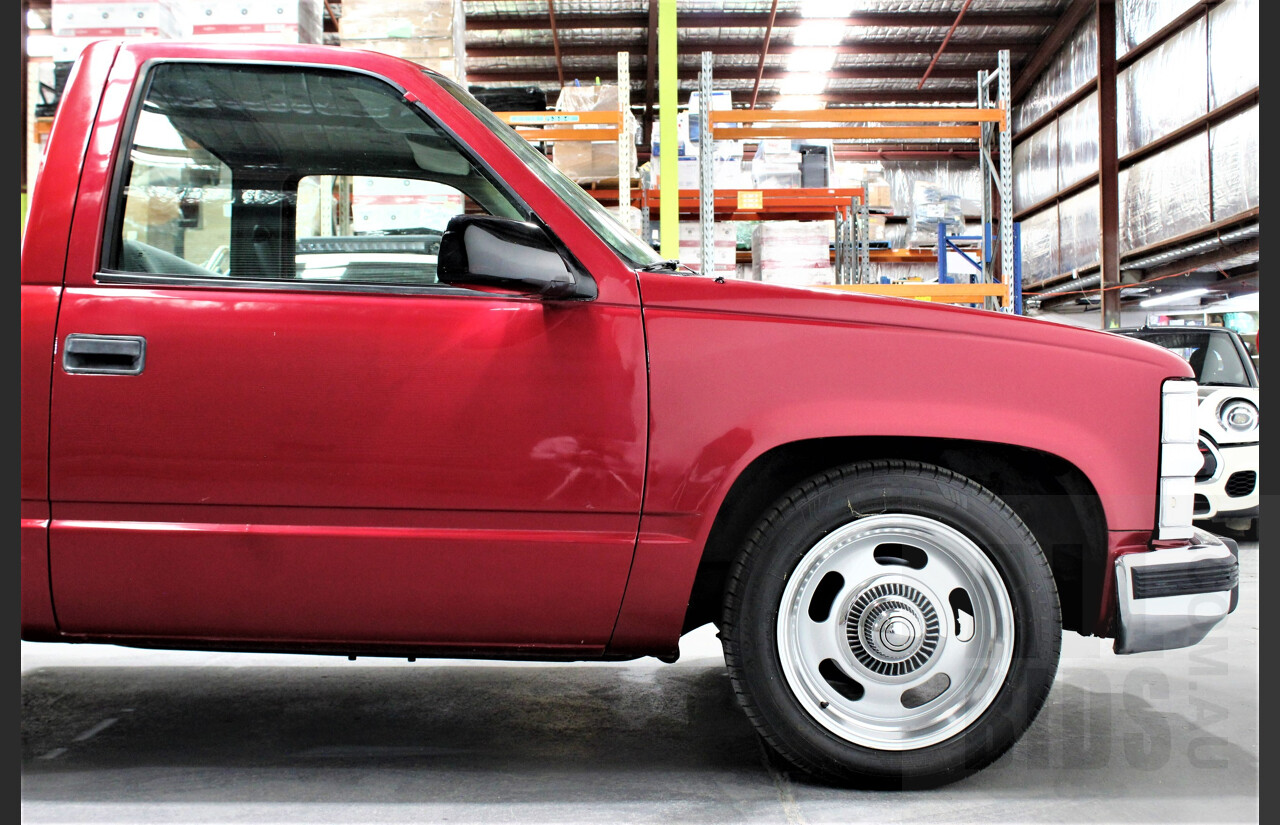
column 483, row 250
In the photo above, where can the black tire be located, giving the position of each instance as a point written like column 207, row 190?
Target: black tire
column 911, row 493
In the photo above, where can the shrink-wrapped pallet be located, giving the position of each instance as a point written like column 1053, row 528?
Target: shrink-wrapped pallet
column 724, row 247
column 931, row 206
column 429, row 32
column 791, row 252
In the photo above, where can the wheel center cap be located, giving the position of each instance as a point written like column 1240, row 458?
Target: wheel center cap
column 892, row 629
column 897, row 634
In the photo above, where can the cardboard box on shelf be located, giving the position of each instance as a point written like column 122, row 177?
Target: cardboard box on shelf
column 773, row 146
column 724, row 247
column 721, row 100
column 63, row 49
column 589, row 162
column 428, row 32
column 775, row 165
column 876, row 228
column 683, row 149
column 76, row 18
column 878, row 193
column 630, row 217
column 725, row 174
column 294, row 21
column 382, row 204
column 398, row 19
column 418, row 49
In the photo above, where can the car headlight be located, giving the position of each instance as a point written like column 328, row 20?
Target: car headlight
column 1180, row 459
column 1237, row 415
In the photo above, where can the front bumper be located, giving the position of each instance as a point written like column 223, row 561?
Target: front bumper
column 1172, row 597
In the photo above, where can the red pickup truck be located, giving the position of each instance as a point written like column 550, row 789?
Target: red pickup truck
column 318, row 355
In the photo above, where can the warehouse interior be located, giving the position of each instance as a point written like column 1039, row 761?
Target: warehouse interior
column 1110, row 234
column 1092, row 163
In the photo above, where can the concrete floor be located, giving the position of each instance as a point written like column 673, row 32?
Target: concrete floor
column 124, row 736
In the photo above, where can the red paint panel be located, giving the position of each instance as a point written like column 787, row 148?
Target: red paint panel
column 734, row 377
column 667, row 555
column 346, row 400
column 38, row 621
column 469, row 412
column 54, row 193
column 306, row 584
column 740, row 368
column 39, row 322
column 1119, row 543
column 275, row 401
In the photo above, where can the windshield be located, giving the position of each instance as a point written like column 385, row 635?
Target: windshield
column 632, row 249
column 1213, row 355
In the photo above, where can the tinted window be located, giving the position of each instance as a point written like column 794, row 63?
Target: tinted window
column 290, row 173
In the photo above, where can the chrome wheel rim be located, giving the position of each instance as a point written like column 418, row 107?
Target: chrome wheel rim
column 895, row 632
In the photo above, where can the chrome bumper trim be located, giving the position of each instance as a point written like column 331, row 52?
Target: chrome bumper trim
column 1172, row 621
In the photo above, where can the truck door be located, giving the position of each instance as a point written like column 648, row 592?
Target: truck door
column 271, row 425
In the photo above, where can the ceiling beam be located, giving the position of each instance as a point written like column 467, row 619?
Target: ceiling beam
column 858, row 97
column 330, row 15
column 945, row 40
column 889, row 96
column 485, row 75
column 764, row 51
column 1108, row 166
column 650, row 74
column 555, row 40
column 722, row 20
column 1049, row 48
column 1214, row 256
column 1016, row 46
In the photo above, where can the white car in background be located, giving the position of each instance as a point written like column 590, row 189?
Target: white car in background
column 1227, row 484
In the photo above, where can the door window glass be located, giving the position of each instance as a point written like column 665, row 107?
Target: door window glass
column 177, row 214
column 283, row 173
column 367, row 229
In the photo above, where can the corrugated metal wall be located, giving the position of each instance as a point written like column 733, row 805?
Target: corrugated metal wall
column 1208, row 176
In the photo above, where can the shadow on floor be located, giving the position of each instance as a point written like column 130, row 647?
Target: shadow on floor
column 499, row 735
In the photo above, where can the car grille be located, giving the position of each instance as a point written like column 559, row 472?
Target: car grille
column 1210, row 465
column 1241, row 483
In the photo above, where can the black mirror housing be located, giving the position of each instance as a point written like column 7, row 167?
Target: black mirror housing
column 483, row 250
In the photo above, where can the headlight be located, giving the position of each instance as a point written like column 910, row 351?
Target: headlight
column 1178, row 406
column 1238, row 416
column 1180, row 459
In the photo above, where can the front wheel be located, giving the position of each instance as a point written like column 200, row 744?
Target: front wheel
column 891, row 624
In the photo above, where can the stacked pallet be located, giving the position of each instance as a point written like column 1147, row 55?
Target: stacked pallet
column 428, row 32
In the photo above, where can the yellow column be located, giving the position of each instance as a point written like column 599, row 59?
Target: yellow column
column 668, row 103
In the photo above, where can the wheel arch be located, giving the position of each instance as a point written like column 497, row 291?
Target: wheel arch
column 1052, row 496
